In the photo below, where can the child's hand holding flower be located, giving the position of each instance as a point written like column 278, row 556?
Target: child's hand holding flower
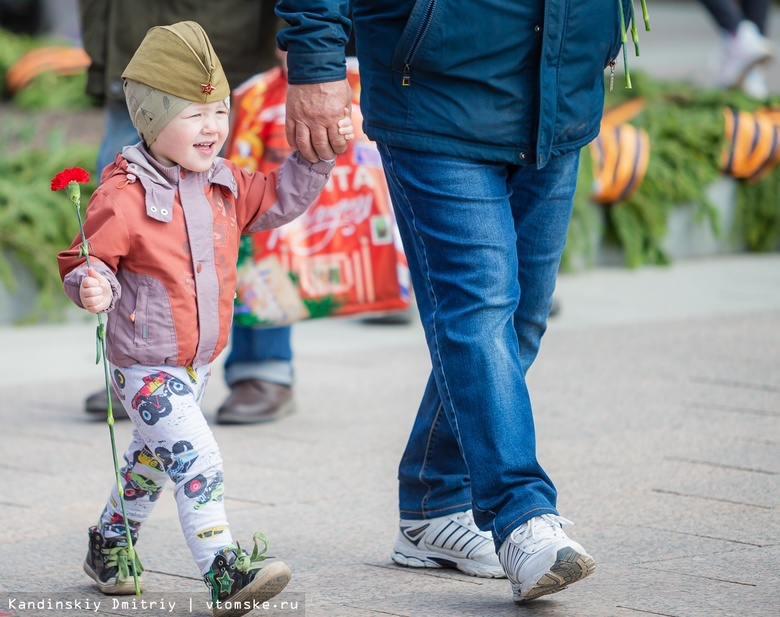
column 95, row 292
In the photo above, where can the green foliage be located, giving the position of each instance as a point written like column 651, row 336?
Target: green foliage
column 49, row 90
column 758, row 213
column 36, row 223
column 585, row 227
column 12, row 47
column 686, row 129
column 52, row 91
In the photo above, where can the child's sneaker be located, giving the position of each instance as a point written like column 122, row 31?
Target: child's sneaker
column 539, row 558
column 451, row 541
column 108, row 564
column 237, row 581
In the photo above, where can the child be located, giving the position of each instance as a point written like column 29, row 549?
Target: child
column 163, row 229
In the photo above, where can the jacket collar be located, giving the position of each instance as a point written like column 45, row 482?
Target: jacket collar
column 161, row 183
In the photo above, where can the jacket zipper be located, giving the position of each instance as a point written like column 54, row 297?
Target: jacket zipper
column 612, row 64
column 406, row 79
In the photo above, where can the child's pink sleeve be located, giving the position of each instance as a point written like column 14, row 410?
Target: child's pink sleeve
column 283, row 195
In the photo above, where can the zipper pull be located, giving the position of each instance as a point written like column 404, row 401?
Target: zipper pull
column 612, row 64
column 406, row 80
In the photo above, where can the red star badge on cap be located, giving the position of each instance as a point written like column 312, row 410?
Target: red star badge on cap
column 207, row 88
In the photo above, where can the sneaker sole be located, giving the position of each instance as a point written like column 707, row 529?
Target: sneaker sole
column 415, row 558
column 569, row 567
column 268, row 583
column 126, row 588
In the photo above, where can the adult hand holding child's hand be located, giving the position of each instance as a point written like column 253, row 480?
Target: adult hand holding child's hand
column 313, row 115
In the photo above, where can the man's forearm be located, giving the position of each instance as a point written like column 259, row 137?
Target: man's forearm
column 315, row 39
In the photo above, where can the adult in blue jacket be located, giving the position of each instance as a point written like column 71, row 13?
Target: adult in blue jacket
column 479, row 113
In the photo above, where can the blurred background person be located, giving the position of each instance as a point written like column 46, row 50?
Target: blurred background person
column 745, row 46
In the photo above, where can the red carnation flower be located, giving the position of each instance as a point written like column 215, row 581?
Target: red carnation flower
column 66, row 176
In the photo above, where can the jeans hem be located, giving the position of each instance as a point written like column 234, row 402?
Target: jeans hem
column 275, row 371
column 523, row 518
column 426, row 513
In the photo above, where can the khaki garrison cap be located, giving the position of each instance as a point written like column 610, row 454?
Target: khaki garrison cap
column 179, row 60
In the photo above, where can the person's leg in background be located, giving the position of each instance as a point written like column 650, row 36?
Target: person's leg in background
column 259, row 372
column 755, row 83
column 726, row 13
column 757, row 11
column 729, row 13
column 745, row 46
column 118, row 132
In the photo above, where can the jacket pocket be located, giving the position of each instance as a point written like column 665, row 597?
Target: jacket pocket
column 140, row 317
column 415, row 33
column 141, row 327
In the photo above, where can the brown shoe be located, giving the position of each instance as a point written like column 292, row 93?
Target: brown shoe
column 97, row 402
column 253, row 401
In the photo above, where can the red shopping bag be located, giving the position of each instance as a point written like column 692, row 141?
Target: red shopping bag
column 344, row 255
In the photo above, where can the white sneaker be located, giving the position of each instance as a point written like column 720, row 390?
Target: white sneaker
column 539, row 558
column 741, row 52
column 452, row 541
column 755, row 84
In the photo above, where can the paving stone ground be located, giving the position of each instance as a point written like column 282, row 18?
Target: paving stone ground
column 657, row 402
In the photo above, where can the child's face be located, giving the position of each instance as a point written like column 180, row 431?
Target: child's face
column 194, row 137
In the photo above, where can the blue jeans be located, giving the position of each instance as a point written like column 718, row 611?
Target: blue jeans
column 260, row 353
column 118, row 132
column 484, row 242
column 256, row 353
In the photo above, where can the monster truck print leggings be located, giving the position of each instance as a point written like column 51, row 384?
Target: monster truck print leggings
column 171, row 440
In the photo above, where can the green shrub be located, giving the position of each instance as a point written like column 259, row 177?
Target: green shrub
column 47, row 91
column 686, row 129
column 36, row 223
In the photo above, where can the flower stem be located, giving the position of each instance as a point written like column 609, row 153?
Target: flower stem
column 634, row 30
column 623, row 36
column 624, row 40
column 625, row 65
column 646, row 15
column 84, row 246
column 110, row 421
column 74, row 195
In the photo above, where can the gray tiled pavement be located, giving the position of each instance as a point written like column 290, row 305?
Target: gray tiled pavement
column 658, row 411
column 657, row 397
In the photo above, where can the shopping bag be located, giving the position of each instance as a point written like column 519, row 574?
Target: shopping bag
column 344, row 255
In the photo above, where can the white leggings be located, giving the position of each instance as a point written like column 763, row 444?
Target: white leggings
column 171, row 440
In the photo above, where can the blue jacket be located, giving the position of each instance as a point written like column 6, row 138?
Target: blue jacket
column 510, row 81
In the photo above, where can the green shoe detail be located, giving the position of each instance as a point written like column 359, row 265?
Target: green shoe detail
column 119, row 558
column 110, row 564
column 245, row 562
column 234, row 572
